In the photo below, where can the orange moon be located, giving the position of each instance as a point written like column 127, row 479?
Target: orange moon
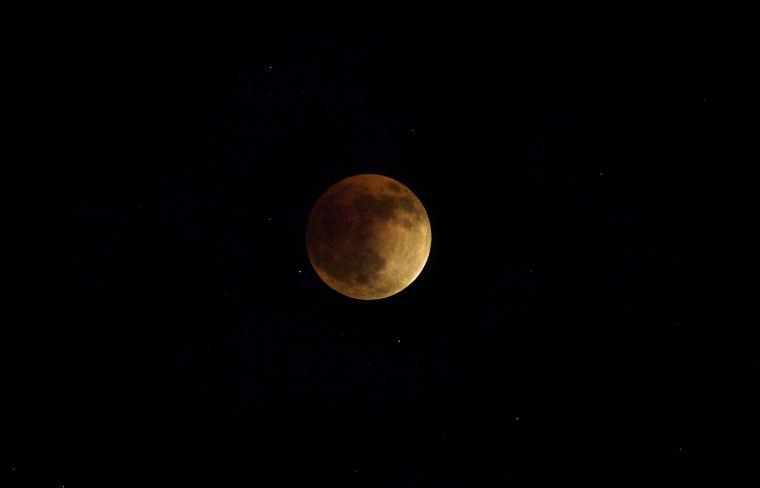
column 368, row 237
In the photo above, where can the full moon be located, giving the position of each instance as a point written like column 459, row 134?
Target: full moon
column 368, row 237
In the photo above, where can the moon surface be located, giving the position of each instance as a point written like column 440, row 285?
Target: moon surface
column 368, row 236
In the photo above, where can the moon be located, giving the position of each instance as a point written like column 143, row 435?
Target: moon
column 368, row 236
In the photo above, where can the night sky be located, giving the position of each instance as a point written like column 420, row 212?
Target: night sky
column 585, row 316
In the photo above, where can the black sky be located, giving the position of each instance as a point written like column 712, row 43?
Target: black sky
column 585, row 315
